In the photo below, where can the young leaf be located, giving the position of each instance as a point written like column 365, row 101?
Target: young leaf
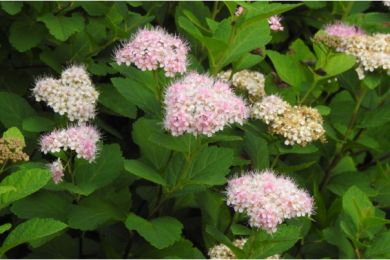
column 62, row 27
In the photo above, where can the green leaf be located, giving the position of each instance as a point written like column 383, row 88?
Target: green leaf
column 92, row 212
column 37, row 124
column 62, row 27
column 159, row 232
column 12, row 7
column 210, row 166
column 337, row 64
column 143, row 171
column 137, row 94
column 183, row 249
column 376, row 117
column 5, row 228
column 6, row 189
column 30, row 231
column 323, row 110
column 262, row 244
column 289, row 70
column 335, row 237
column 112, row 100
column 15, row 133
column 26, row 34
column 26, row 182
column 143, row 129
column 341, row 183
column 379, row 247
column 357, row 205
column 43, row 204
column 257, row 149
column 92, row 176
column 13, row 109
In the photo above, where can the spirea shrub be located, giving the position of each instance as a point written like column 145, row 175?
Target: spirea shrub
column 220, row 130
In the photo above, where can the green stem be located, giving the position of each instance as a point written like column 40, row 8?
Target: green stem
column 3, row 167
column 311, row 88
column 339, row 155
column 215, row 10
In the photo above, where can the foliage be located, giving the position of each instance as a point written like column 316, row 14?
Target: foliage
column 152, row 195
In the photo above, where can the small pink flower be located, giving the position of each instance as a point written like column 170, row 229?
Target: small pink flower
column 268, row 199
column 239, row 11
column 57, row 171
column 275, row 23
column 198, row 104
column 153, row 49
column 81, row 139
column 340, row 29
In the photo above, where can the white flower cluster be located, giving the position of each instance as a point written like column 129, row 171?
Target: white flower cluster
column 298, row 124
column 72, row 95
column 251, row 81
column 221, row 251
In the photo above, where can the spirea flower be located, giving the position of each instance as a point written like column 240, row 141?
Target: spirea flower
column 81, row 139
column 275, row 23
column 239, row 11
column 251, row 81
column 340, row 29
column 150, row 49
column 269, row 108
column 57, row 171
column 386, row 3
column 371, row 51
column 72, row 95
column 11, row 150
column 268, row 199
column 199, row 104
column 221, row 251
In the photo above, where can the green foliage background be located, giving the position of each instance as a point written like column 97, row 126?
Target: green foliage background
column 151, row 195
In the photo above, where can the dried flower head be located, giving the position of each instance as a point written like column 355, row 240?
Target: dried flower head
column 298, row 125
column 199, row 104
column 72, row 95
column 11, row 150
column 250, row 81
column 275, row 23
column 150, row 49
column 81, row 139
column 57, row 171
column 268, row 199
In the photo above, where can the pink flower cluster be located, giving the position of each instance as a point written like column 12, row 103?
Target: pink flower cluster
column 275, row 23
column 268, row 199
column 340, row 29
column 57, row 171
column 81, row 139
column 199, row 104
column 153, row 49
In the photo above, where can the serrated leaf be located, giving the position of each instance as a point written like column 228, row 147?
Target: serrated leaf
column 379, row 247
column 26, row 34
column 144, row 171
column 62, row 27
column 30, row 231
column 14, row 133
column 43, row 204
column 257, row 149
column 26, row 182
column 210, row 166
column 13, row 109
column 160, row 232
